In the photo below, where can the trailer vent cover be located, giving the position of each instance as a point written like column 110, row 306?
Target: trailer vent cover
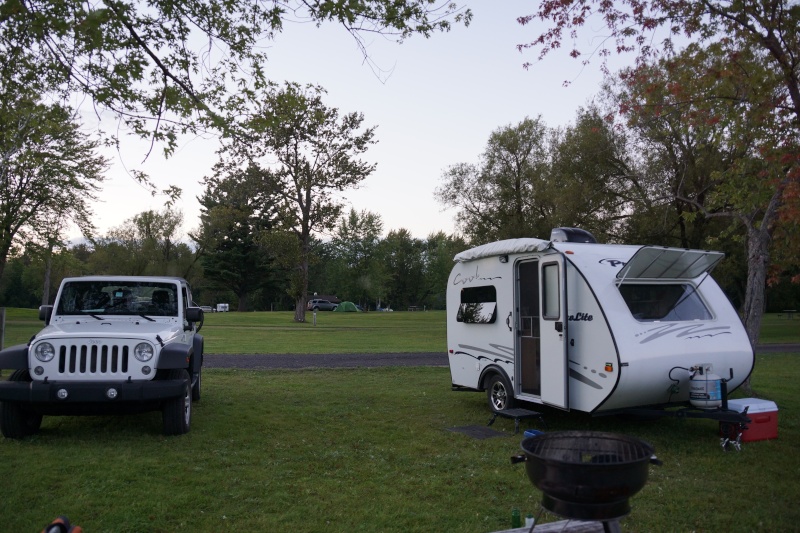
column 571, row 235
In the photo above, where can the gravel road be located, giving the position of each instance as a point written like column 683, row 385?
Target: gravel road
column 353, row 360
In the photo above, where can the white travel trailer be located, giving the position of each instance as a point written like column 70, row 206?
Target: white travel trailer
column 590, row 327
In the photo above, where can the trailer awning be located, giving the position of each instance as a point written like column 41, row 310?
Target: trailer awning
column 655, row 262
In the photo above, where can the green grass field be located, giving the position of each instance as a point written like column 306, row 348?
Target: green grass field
column 371, row 450
column 276, row 333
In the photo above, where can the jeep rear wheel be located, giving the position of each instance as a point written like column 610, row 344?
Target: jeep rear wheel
column 17, row 422
column 176, row 413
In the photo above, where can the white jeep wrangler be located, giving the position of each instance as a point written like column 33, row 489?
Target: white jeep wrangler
column 111, row 344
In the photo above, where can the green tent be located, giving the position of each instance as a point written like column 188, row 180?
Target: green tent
column 347, row 307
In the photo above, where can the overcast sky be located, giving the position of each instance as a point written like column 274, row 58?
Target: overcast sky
column 435, row 105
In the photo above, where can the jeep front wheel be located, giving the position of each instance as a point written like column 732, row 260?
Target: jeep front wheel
column 176, row 413
column 17, row 422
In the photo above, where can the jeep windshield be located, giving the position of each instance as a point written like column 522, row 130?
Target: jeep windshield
column 118, row 298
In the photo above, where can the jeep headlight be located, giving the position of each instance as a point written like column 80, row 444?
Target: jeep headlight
column 44, row 352
column 143, row 351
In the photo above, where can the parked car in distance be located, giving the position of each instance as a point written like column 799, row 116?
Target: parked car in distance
column 321, row 305
column 207, row 308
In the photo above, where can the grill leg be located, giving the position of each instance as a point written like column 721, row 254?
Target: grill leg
column 611, row 526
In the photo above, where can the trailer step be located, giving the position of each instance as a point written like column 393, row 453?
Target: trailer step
column 517, row 414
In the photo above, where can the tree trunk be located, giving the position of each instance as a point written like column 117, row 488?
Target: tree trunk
column 300, row 299
column 757, row 264
column 300, row 309
column 242, row 306
column 758, row 241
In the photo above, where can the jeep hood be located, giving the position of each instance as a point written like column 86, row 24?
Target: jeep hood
column 128, row 327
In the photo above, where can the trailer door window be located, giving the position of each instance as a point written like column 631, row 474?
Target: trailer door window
column 478, row 305
column 665, row 302
column 551, row 303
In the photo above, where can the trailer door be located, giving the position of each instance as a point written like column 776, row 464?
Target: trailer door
column 553, row 328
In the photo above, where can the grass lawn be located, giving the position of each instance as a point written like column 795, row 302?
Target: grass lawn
column 370, row 450
column 277, row 333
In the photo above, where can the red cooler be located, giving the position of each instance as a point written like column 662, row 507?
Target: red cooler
column 762, row 413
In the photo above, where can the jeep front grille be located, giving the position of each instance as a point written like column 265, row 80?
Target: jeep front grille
column 103, row 359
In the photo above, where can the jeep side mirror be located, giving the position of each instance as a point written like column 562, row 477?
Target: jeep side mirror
column 194, row 314
column 45, row 312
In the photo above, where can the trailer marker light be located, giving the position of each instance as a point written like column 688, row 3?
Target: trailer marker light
column 609, row 367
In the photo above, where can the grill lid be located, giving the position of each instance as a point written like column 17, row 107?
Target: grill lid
column 584, row 448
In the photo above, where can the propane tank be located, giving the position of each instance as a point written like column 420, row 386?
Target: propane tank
column 705, row 387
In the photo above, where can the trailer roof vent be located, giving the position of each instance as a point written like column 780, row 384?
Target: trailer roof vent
column 571, row 235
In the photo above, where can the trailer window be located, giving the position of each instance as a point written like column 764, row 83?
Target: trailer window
column 667, row 302
column 478, row 305
column 551, row 303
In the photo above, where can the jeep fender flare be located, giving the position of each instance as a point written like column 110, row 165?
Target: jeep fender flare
column 197, row 353
column 175, row 355
column 14, row 357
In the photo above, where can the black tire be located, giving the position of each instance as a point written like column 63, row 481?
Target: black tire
column 198, row 380
column 17, row 422
column 176, row 413
column 499, row 393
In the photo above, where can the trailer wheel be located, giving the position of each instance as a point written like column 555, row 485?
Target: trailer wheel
column 176, row 413
column 499, row 393
column 17, row 422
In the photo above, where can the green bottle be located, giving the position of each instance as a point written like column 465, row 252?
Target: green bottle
column 516, row 518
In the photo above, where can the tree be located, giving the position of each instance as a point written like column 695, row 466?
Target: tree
column 438, row 252
column 532, row 179
column 354, row 249
column 594, row 182
column 734, row 140
column 235, row 209
column 146, row 244
column 506, row 194
column 46, row 165
column 682, row 148
column 307, row 152
column 402, row 256
column 769, row 32
column 164, row 67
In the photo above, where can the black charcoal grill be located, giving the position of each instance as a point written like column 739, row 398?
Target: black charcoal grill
column 587, row 475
